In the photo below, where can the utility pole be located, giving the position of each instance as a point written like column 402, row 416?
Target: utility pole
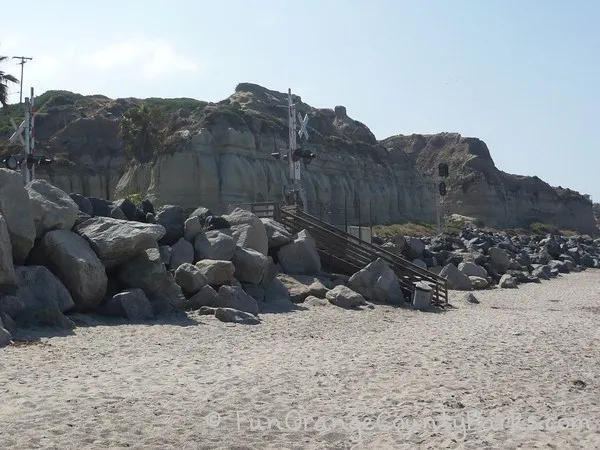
column 293, row 192
column 23, row 60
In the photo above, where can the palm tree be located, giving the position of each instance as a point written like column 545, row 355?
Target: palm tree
column 5, row 78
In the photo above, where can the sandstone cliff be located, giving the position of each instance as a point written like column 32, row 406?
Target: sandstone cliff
column 219, row 155
column 477, row 188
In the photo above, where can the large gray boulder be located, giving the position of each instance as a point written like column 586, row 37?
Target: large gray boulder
column 345, row 297
column 8, row 280
column 222, row 244
column 499, row 259
column 204, row 297
column 378, row 282
column 299, row 287
column 71, row 259
column 250, row 265
column 181, row 252
column 192, row 227
column 471, row 269
column 16, row 209
column 248, row 230
column 414, row 247
column 455, row 278
column 189, row 278
column 85, row 206
column 116, row 241
column 52, row 208
column 42, row 297
column 235, row 297
column 168, row 298
column 203, row 248
column 172, row 218
column 300, row 257
column 145, row 271
column 277, row 235
column 131, row 304
column 508, row 281
column 217, row 272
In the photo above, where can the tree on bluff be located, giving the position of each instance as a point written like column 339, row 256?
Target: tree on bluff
column 5, row 78
column 142, row 131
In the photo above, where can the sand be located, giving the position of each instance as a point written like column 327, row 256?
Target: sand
column 520, row 369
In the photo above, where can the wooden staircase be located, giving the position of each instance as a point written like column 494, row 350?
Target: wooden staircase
column 347, row 254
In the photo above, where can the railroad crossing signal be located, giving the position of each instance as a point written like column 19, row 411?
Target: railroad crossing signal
column 303, row 122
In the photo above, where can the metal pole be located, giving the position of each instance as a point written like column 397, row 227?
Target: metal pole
column 24, row 168
column 359, row 227
column 32, row 120
column 345, row 212
column 437, row 209
column 21, row 85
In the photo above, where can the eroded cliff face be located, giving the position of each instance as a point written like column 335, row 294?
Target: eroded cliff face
column 220, row 156
column 477, row 188
column 227, row 160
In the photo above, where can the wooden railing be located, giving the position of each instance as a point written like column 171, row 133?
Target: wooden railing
column 347, row 253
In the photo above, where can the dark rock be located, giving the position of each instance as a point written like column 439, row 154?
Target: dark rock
column 85, row 206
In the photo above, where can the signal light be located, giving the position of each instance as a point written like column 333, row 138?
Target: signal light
column 443, row 170
column 442, row 188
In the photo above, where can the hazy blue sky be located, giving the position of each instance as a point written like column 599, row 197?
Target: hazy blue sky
column 521, row 75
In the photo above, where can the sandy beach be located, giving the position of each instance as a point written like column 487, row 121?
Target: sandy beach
column 518, row 370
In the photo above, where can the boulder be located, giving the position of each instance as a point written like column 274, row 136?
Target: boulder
column 147, row 207
column 42, row 298
column 277, row 292
column 100, row 207
column 277, row 235
column 250, row 265
column 420, row 263
column 168, row 298
column 165, row 255
column 248, row 230
column 378, row 282
column 181, row 252
column 190, row 278
column 201, row 213
column 508, row 281
column 117, row 213
column 128, row 208
column 414, row 247
column 203, row 248
column 70, row 258
column 204, row 297
column 235, row 297
column 478, row 282
column 471, row 269
column 192, row 228
column 145, row 271
column 172, row 218
column 222, row 244
column 84, row 205
column 132, row 304
column 499, row 259
column 217, row 272
column 8, row 280
column 300, row 257
column 345, row 297
column 17, row 212
column 216, row 223
column 299, row 287
column 455, row 278
column 116, row 241
column 52, row 208
column 232, row 315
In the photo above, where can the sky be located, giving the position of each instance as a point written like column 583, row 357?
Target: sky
column 522, row 75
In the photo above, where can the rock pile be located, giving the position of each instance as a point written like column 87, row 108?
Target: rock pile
column 478, row 259
column 63, row 254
